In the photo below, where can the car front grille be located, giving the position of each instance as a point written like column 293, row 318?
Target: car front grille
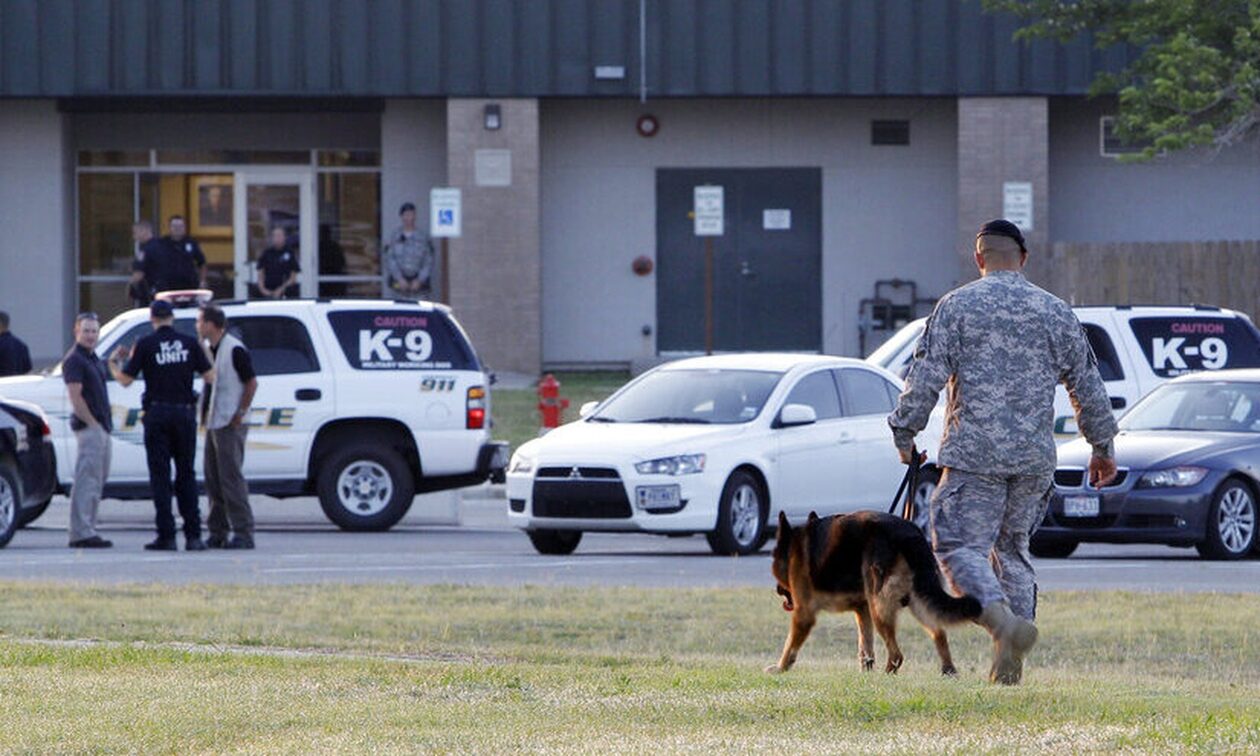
column 581, row 499
column 1074, row 477
column 574, row 471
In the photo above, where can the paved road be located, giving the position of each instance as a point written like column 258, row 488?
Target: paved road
column 297, row 545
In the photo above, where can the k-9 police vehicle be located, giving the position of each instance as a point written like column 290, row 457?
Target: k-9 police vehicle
column 364, row 403
column 1138, row 349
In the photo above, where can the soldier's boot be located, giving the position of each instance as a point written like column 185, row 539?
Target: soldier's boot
column 1013, row 637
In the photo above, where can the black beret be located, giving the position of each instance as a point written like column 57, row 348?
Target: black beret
column 1003, row 227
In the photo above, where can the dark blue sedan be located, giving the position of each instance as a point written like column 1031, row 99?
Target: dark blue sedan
column 1189, row 461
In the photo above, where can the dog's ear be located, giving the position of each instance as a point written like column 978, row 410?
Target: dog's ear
column 785, row 527
column 813, row 517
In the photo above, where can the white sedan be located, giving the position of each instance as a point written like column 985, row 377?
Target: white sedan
column 714, row 445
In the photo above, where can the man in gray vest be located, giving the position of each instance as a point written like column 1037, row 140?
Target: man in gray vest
column 225, row 409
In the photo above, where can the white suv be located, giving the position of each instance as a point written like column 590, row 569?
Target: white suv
column 364, row 403
column 1138, row 348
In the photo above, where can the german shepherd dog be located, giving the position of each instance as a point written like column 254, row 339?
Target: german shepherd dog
column 869, row 563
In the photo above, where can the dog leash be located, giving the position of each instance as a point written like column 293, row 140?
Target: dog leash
column 909, row 484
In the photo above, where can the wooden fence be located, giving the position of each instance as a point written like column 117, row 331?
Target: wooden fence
column 1222, row 273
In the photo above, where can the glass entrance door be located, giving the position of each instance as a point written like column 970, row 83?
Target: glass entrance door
column 269, row 202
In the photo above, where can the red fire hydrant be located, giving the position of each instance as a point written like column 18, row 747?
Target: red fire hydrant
column 550, row 405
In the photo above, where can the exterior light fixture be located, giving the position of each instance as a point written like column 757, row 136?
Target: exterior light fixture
column 494, row 118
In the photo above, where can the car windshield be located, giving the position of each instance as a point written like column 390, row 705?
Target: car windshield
column 1224, row 406
column 889, row 350
column 701, row 397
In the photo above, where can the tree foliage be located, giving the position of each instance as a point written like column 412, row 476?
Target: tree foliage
column 1195, row 80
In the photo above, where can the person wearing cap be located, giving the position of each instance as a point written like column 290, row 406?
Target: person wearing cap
column 1000, row 346
column 168, row 360
column 90, row 419
column 408, row 258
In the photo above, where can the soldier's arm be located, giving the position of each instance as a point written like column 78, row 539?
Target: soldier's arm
column 1086, row 390
column 933, row 365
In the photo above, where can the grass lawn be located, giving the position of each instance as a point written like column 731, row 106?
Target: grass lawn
column 456, row 669
column 515, row 411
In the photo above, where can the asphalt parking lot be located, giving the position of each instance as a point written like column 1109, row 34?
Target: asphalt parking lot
column 465, row 539
column 445, row 540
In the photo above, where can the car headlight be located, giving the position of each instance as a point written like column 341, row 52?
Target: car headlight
column 1176, row 477
column 683, row 464
column 521, row 464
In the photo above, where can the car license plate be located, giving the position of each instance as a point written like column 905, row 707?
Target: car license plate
column 1080, row 506
column 659, row 497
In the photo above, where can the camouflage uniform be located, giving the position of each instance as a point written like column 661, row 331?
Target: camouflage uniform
column 408, row 257
column 1000, row 345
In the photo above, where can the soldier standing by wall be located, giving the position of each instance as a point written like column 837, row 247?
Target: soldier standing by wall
column 408, row 258
column 1001, row 345
column 168, row 360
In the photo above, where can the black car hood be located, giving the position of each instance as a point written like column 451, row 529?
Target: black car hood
column 1154, row 450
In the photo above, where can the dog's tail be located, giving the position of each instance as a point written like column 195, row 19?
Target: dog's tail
column 948, row 609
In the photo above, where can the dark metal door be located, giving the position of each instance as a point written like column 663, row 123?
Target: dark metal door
column 767, row 276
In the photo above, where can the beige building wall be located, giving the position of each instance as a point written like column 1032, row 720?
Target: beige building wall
column 37, row 218
column 495, row 271
column 413, row 157
column 1002, row 139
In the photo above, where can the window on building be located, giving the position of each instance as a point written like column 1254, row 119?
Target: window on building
column 349, row 234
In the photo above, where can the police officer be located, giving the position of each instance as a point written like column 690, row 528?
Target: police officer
column 145, row 268
column 278, row 267
column 1000, row 346
column 168, row 361
column 408, row 258
column 186, row 250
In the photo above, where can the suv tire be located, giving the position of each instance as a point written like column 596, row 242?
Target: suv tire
column 10, row 503
column 365, row 487
column 741, row 520
column 555, row 542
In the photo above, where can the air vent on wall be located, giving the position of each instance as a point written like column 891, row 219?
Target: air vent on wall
column 890, row 132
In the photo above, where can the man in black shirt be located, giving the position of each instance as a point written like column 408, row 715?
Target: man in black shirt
column 15, row 358
column 186, row 249
column 279, row 267
column 90, row 419
column 161, row 266
column 169, row 361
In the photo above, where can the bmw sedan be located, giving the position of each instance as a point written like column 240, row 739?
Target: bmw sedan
column 714, row 445
column 1189, row 461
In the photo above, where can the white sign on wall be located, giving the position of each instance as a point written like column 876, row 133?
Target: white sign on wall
column 709, row 210
column 446, row 214
column 1017, row 204
column 492, row 167
column 776, row 220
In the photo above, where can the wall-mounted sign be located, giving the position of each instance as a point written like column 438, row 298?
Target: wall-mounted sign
column 1017, row 204
column 445, row 213
column 776, row 220
column 492, row 167
column 709, row 211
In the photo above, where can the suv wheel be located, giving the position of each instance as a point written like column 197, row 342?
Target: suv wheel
column 741, row 521
column 9, row 497
column 1231, row 523
column 365, row 487
column 555, row 542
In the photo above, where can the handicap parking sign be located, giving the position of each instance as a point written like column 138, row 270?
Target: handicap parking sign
column 445, row 207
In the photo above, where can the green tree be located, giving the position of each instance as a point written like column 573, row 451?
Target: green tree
column 1195, row 79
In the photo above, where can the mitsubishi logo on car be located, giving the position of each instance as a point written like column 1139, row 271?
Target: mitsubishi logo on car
column 575, row 473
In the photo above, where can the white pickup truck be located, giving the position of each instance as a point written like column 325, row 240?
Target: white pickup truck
column 1138, row 348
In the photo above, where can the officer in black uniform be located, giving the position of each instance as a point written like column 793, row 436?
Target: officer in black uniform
column 186, row 250
column 163, row 265
column 168, row 361
column 148, row 264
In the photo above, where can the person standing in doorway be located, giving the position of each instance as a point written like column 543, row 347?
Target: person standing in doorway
column 90, row 419
column 408, row 258
column 1001, row 346
column 15, row 358
column 278, row 267
column 226, row 408
column 186, row 250
column 168, row 361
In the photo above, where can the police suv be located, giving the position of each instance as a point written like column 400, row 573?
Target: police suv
column 364, row 403
column 1138, row 348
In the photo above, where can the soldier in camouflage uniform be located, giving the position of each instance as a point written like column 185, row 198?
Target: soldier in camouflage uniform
column 408, row 258
column 1000, row 345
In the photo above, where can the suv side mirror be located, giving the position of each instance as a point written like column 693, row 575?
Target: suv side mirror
column 586, row 409
column 797, row 414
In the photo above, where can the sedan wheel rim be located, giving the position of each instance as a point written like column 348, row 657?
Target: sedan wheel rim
column 8, row 504
column 1236, row 520
column 745, row 514
column 365, row 488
